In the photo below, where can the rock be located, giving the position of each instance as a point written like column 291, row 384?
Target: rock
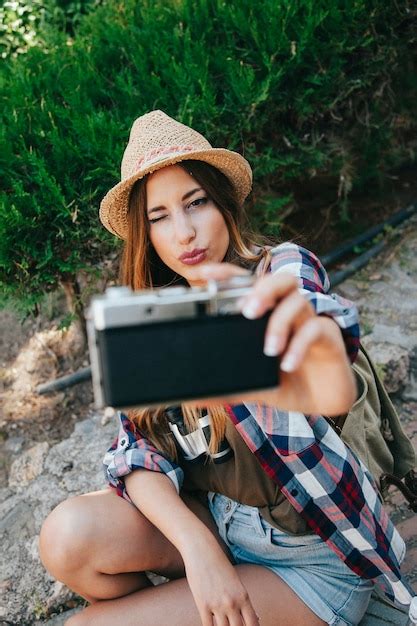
column 32, row 547
column 390, row 334
column 29, row 465
column 392, row 363
column 5, row 585
column 14, row 444
column 18, row 522
column 60, row 595
column 5, row 494
column 59, row 620
column 42, row 477
column 410, row 393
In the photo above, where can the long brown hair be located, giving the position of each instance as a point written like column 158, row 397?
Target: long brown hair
column 141, row 268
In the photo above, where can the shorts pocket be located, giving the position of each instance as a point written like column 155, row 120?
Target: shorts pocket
column 302, row 543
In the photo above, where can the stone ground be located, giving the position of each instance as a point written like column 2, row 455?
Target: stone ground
column 41, row 473
column 385, row 292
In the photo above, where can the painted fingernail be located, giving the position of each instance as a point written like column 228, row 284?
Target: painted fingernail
column 289, row 363
column 250, row 310
column 274, row 345
column 271, row 346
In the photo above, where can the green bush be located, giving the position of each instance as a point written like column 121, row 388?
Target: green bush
column 28, row 23
column 302, row 89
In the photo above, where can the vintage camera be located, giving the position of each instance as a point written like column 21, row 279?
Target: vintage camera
column 169, row 345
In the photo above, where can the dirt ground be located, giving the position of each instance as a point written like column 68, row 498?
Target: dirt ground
column 34, row 352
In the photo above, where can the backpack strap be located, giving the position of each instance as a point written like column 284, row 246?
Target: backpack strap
column 408, row 488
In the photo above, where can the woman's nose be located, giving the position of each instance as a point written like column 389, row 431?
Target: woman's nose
column 184, row 229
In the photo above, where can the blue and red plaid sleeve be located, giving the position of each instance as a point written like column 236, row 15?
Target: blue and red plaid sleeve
column 130, row 451
column 315, row 284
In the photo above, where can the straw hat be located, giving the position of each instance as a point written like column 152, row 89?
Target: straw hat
column 156, row 140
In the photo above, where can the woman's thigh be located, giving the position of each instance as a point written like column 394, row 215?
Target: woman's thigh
column 273, row 601
column 305, row 563
column 111, row 536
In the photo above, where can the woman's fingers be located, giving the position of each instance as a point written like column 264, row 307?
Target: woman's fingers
column 245, row 616
column 221, row 620
column 236, row 619
column 286, row 317
column 231, row 617
column 249, row 616
column 222, row 271
column 308, row 334
column 207, row 617
column 266, row 292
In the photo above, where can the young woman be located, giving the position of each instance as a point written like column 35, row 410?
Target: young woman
column 252, row 506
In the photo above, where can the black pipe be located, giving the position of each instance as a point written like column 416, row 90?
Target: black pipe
column 339, row 276
column 336, row 278
column 345, row 248
column 65, row 381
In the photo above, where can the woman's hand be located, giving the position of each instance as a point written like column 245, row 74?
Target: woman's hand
column 315, row 375
column 220, row 597
column 219, row 594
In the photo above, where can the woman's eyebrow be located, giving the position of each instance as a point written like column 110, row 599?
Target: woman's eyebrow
column 185, row 197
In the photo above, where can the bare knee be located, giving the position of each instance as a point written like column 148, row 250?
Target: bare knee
column 66, row 536
column 91, row 534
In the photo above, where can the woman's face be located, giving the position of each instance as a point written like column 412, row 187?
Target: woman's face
column 186, row 227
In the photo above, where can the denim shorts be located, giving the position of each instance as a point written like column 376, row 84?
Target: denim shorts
column 307, row 565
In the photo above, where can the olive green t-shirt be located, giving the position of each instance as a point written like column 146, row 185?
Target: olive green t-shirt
column 242, row 478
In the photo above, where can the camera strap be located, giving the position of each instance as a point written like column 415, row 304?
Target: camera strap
column 194, row 445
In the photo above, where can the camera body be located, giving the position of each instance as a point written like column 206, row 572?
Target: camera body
column 165, row 346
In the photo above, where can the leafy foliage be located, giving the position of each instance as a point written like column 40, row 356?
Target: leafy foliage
column 28, row 23
column 301, row 88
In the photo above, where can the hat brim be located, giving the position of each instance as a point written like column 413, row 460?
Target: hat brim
column 114, row 206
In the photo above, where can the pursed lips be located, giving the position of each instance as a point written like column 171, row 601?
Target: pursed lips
column 192, row 254
column 192, row 258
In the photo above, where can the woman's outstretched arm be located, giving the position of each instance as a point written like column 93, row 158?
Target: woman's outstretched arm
column 217, row 589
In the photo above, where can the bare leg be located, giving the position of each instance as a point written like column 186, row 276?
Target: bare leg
column 274, row 602
column 98, row 545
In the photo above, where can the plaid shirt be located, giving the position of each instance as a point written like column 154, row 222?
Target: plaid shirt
column 321, row 477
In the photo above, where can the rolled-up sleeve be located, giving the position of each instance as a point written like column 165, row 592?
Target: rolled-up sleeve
column 314, row 284
column 130, row 451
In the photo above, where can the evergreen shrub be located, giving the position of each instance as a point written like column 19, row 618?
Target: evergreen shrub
column 303, row 89
column 28, row 23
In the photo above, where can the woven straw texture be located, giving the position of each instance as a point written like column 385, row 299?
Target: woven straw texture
column 156, row 140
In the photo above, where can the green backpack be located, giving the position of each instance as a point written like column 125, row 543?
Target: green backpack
column 373, row 430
